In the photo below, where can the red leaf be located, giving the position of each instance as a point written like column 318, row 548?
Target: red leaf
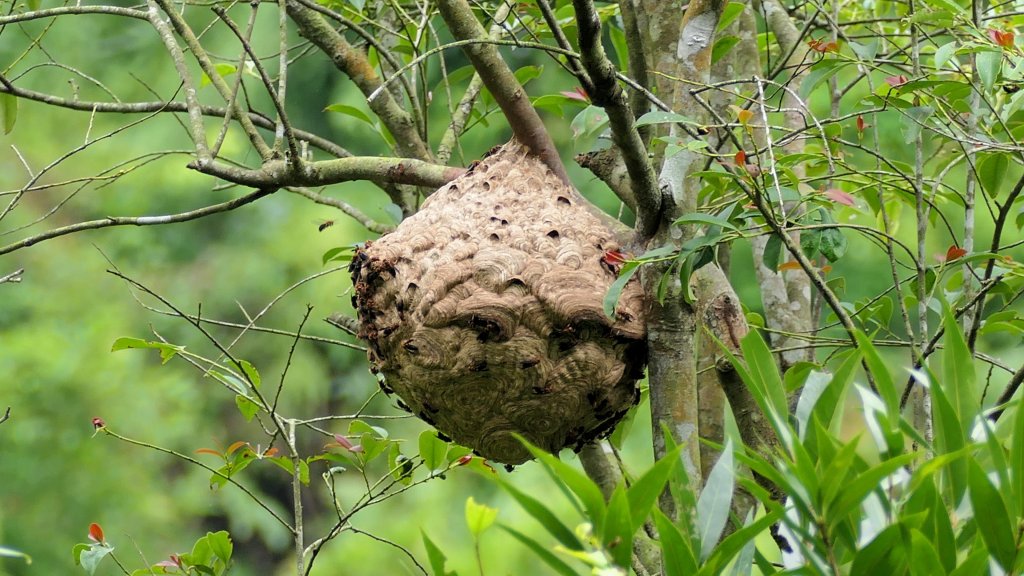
column 577, row 94
column 210, row 451
column 1003, row 38
column 815, row 45
column 614, row 257
column 831, row 47
column 271, row 452
column 840, row 197
column 98, row 423
column 826, row 268
column 234, row 446
column 95, row 533
column 954, row 252
column 896, row 81
column 740, row 158
column 464, row 460
column 860, row 124
column 346, row 444
column 790, row 265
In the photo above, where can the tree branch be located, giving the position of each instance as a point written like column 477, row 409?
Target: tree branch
column 499, row 79
column 610, row 96
column 278, row 173
column 138, row 220
column 354, row 64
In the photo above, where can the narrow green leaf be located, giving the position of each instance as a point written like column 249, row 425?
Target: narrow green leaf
column 543, row 553
column 643, row 494
column 949, row 438
column 880, row 371
column 990, row 517
column 251, row 373
column 618, row 531
column 854, row 492
column 615, row 290
column 924, row 558
column 723, row 44
column 820, row 72
column 731, row 12
column 6, row 552
column 885, row 554
column 958, row 377
column 544, row 515
column 350, row 111
column 709, row 219
column 1017, row 457
column 8, row 111
column 772, row 252
column 583, row 487
column 714, row 502
column 735, row 542
column 434, row 556
column 677, row 556
column 763, row 368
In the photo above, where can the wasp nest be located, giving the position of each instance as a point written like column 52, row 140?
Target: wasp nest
column 484, row 312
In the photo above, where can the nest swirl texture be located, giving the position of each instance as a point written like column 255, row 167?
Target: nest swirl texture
column 484, row 312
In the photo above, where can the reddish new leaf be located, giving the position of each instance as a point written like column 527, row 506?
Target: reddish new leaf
column 96, row 533
column 954, row 252
column 577, row 94
column 896, row 81
column 209, row 451
column 744, row 116
column 98, row 423
column 1005, row 39
column 860, row 124
column 464, row 460
column 347, row 444
column 826, row 268
column 271, row 452
column 740, row 158
column 614, row 257
column 234, row 446
column 790, row 265
column 840, row 197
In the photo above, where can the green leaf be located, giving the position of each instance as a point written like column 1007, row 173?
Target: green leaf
column 1017, row 457
column 341, row 253
column 479, row 517
column 247, row 407
column 583, row 487
column 820, row 72
column 735, row 542
column 6, row 552
column 677, row 556
column 659, row 117
column 989, row 63
column 588, row 124
column 543, row 553
column 434, row 556
column 915, row 119
column 611, row 298
column 949, row 437
column 991, row 517
column 527, row 73
column 542, row 514
column 854, row 492
column 351, row 111
column 251, row 373
column 880, row 371
column 772, row 252
column 220, row 544
column 723, row 44
column 885, row 554
column 958, row 377
column 715, row 500
column 731, row 12
column 433, row 451
column 8, row 111
column 644, row 492
column 618, row 531
column 88, row 556
column 167, row 351
column 709, row 219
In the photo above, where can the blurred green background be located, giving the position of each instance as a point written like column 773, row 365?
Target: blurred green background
column 57, row 326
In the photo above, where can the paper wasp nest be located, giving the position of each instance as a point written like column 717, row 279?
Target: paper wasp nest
column 484, row 312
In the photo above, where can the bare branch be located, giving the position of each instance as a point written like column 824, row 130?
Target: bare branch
column 13, row 277
column 350, row 210
column 137, row 220
column 499, row 79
